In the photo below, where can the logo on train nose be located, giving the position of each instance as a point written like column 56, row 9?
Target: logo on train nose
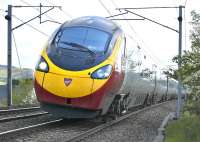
column 67, row 81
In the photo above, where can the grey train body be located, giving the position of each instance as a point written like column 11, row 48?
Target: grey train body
column 144, row 81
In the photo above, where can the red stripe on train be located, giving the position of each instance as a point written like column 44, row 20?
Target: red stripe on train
column 93, row 101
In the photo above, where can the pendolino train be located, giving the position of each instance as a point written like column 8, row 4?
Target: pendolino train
column 90, row 68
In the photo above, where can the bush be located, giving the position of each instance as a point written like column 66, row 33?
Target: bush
column 184, row 130
column 23, row 93
column 193, row 107
column 187, row 128
column 15, row 82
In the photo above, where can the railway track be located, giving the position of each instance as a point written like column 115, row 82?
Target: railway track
column 16, row 110
column 21, row 116
column 75, row 133
column 108, row 124
column 20, row 113
column 4, row 134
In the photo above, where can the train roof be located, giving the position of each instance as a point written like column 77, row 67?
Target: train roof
column 95, row 22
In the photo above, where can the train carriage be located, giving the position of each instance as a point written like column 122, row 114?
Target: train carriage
column 86, row 70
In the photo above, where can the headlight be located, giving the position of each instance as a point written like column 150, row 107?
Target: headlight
column 42, row 65
column 102, row 73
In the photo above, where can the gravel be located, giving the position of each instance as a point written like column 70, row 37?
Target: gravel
column 58, row 132
column 138, row 128
column 5, row 126
column 15, row 114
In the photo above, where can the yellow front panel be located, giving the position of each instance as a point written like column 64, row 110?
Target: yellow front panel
column 82, row 84
column 79, row 87
column 39, row 76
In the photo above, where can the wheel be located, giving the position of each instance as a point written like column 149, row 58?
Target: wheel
column 119, row 105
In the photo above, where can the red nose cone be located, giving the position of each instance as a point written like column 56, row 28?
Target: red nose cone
column 67, row 81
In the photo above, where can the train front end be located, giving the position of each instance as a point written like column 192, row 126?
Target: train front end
column 76, row 75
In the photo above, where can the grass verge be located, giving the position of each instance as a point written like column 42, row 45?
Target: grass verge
column 186, row 129
column 23, row 93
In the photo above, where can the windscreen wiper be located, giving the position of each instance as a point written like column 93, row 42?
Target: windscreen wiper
column 83, row 48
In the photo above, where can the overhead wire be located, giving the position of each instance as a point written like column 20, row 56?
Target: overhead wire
column 154, row 58
column 185, row 23
column 103, row 5
column 37, row 10
column 175, row 5
column 131, row 27
column 43, row 33
column 185, row 3
column 64, row 12
column 16, row 48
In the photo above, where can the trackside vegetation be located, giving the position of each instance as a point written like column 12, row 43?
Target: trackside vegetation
column 187, row 128
column 22, row 87
column 23, row 93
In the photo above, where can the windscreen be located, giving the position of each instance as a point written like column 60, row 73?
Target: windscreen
column 79, row 48
column 84, row 37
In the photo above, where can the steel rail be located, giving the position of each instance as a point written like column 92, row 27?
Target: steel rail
column 18, row 109
column 3, row 134
column 10, row 118
column 96, row 129
column 80, row 135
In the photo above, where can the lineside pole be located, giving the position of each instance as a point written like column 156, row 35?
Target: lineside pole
column 179, row 100
column 9, row 60
column 8, row 17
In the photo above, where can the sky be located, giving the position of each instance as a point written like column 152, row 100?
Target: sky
column 158, row 43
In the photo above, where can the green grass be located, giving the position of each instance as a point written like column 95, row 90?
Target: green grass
column 23, row 93
column 187, row 129
column 22, row 88
column 2, row 76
